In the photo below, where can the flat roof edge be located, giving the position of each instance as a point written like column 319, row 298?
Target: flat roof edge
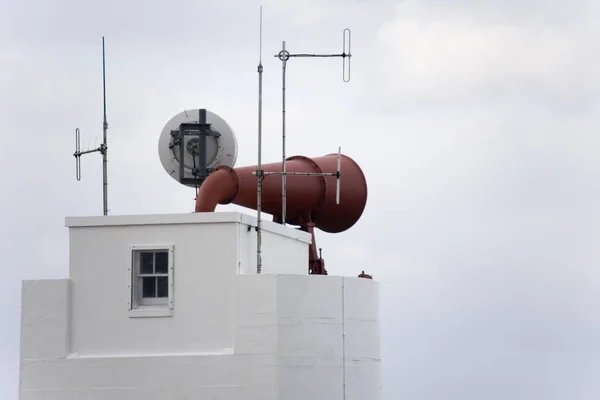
column 187, row 218
column 153, row 219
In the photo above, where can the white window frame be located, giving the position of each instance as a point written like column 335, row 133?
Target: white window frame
column 158, row 307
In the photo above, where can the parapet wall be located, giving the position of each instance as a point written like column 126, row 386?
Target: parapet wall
column 295, row 337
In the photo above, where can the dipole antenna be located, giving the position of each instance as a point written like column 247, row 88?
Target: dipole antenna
column 259, row 172
column 103, row 149
column 284, row 56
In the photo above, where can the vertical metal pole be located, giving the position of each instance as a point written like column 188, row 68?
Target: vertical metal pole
column 202, row 145
column 105, row 144
column 283, row 170
column 343, row 338
column 259, row 172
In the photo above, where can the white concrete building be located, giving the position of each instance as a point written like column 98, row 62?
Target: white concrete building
column 170, row 307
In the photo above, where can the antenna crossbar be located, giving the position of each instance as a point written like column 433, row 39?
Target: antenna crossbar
column 336, row 174
column 80, row 153
column 301, row 173
column 318, row 55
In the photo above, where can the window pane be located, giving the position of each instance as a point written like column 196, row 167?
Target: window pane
column 149, row 287
column 163, row 286
column 146, row 262
column 161, row 262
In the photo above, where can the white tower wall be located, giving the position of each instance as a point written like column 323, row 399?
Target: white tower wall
column 226, row 333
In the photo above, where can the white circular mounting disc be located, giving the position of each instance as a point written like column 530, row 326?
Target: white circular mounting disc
column 220, row 150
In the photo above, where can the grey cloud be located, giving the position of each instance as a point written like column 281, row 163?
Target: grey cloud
column 77, row 23
column 482, row 213
column 457, row 52
column 485, row 245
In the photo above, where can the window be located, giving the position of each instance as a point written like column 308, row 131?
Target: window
column 151, row 283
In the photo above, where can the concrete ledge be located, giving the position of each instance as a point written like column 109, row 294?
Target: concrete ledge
column 183, row 219
column 154, row 219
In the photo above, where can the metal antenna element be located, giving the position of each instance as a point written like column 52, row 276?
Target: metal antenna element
column 339, row 167
column 283, row 165
column 104, row 138
column 284, row 56
column 337, row 174
column 259, row 172
column 103, row 149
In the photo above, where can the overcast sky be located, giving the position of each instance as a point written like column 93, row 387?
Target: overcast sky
column 476, row 123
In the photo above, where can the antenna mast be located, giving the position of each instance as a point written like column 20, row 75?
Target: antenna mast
column 316, row 262
column 259, row 172
column 284, row 56
column 104, row 146
column 103, row 149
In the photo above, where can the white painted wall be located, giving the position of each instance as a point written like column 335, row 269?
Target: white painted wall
column 206, row 260
column 233, row 334
column 277, row 242
column 324, row 331
column 45, row 319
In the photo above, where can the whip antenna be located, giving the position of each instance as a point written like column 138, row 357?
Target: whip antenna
column 259, row 172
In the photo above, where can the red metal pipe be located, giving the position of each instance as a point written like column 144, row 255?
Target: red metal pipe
column 220, row 187
column 309, row 198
